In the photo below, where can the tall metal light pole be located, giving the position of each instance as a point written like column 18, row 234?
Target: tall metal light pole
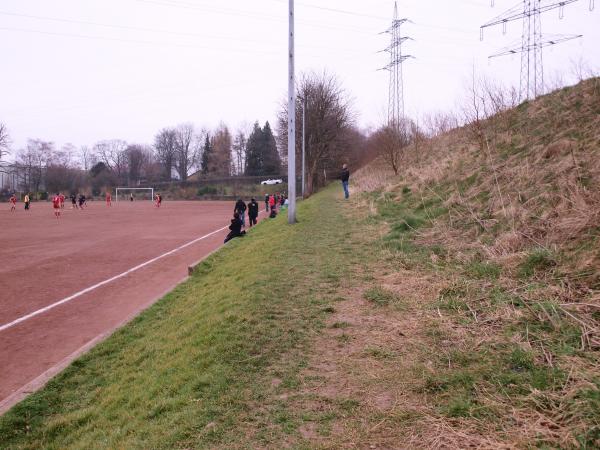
column 303, row 146
column 291, row 125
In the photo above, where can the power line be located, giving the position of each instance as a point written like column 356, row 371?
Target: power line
column 337, row 10
column 135, row 41
column 532, row 40
column 147, row 30
column 125, row 27
column 229, row 12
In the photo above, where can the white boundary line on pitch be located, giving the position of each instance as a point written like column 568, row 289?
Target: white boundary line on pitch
column 102, row 283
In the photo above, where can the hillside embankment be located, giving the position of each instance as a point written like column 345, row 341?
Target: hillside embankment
column 456, row 305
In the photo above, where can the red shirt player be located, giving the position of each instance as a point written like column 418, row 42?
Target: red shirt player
column 158, row 200
column 56, row 205
column 108, row 199
column 13, row 203
column 62, row 200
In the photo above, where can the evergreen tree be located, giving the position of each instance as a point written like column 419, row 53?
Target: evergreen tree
column 271, row 158
column 206, row 156
column 254, row 152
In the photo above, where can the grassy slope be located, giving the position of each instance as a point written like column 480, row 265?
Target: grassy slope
column 507, row 237
column 195, row 369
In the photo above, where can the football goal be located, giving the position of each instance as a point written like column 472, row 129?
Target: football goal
column 126, row 194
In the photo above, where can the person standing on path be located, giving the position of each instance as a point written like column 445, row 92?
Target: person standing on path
column 240, row 208
column 267, row 202
column 345, row 177
column 252, row 212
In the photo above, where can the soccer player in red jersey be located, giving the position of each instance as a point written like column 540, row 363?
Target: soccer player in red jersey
column 62, row 200
column 56, row 205
column 108, row 199
column 13, row 203
column 158, row 200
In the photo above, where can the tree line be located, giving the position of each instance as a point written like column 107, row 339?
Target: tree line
column 176, row 154
column 332, row 138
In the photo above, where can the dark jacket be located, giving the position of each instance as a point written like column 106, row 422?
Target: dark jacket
column 345, row 175
column 235, row 227
column 253, row 209
column 240, row 207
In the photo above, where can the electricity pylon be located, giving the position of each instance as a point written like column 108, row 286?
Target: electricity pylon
column 532, row 41
column 397, row 58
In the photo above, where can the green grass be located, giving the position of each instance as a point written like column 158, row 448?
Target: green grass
column 190, row 370
column 484, row 270
column 537, row 261
column 381, row 296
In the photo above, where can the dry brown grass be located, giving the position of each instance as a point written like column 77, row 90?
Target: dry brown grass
column 534, row 188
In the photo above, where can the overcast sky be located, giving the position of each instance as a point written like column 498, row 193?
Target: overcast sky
column 81, row 71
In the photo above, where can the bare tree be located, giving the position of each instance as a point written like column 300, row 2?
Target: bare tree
column 62, row 175
column 582, row 70
column 4, row 141
column 438, row 122
column 186, row 144
column 239, row 151
column 328, row 119
column 64, row 157
column 392, row 142
column 165, row 150
column 34, row 160
column 112, row 153
column 87, row 157
column 137, row 156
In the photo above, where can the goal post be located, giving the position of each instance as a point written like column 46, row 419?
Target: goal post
column 125, row 192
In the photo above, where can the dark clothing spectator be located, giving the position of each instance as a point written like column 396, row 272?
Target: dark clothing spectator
column 267, row 202
column 345, row 177
column 235, row 229
column 240, row 208
column 252, row 212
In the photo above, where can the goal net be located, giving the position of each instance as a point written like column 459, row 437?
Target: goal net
column 127, row 194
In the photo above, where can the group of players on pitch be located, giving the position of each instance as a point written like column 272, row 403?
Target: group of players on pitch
column 77, row 202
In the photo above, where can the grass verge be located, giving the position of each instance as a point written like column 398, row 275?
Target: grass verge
column 195, row 370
